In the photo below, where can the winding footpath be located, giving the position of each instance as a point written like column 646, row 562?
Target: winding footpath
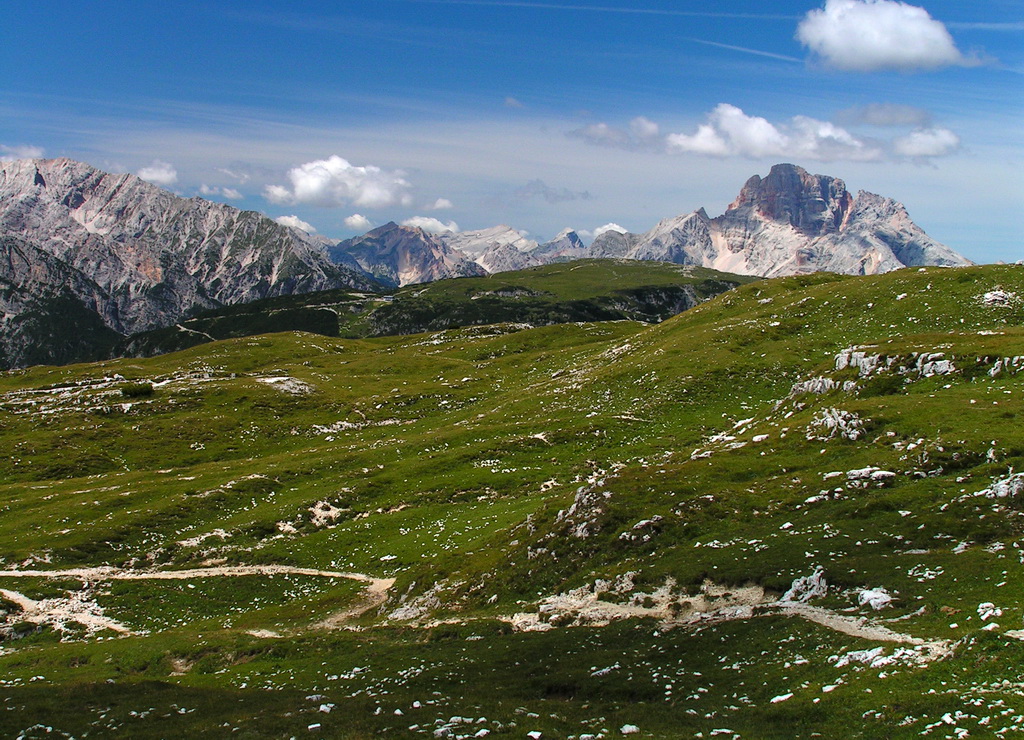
column 87, row 613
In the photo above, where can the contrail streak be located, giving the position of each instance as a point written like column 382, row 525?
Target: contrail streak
column 745, row 50
column 606, row 9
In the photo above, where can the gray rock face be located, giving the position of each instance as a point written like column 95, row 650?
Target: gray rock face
column 405, row 255
column 813, row 205
column 49, row 312
column 497, row 249
column 566, row 246
column 153, row 255
column 684, row 240
column 613, row 244
column 788, row 223
column 792, row 222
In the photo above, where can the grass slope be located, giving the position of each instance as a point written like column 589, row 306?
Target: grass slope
column 707, row 460
column 585, row 290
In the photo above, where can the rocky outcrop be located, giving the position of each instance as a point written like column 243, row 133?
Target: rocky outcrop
column 151, row 255
column 614, row 244
column 787, row 223
column 813, row 205
column 566, row 246
column 404, row 255
column 50, row 313
column 684, row 240
column 792, row 222
column 497, row 249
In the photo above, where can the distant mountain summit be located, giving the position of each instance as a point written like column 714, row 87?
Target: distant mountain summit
column 497, row 249
column 788, row 223
column 793, row 222
column 402, row 255
column 119, row 251
column 87, row 256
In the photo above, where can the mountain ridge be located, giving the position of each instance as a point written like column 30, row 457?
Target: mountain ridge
column 404, row 255
column 789, row 222
column 135, row 257
column 153, row 255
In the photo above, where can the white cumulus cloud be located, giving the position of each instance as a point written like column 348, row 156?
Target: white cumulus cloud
column 159, row 173
column 358, row 222
column 644, row 128
column 25, row 151
column 430, row 224
column 296, row 223
column 929, row 142
column 731, row 132
column 874, row 35
column 609, row 227
column 335, row 182
column 442, row 204
column 222, row 192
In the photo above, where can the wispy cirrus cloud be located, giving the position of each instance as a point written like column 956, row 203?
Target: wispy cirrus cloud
column 884, row 114
column 616, row 9
column 746, row 50
column 23, row 151
column 539, row 189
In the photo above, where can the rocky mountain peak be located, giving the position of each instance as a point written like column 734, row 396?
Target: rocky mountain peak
column 497, row 249
column 140, row 257
column 403, row 255
column 814, row 205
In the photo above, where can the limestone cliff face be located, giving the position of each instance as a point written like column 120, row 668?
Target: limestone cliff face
column 497, row 249
column 684, row 240
column 792, row 222
column 614, row 244
column 787, row 223
column 49, row 312
column 404, row 255
column 813, row 205
column 154, row 255
column 566, row 245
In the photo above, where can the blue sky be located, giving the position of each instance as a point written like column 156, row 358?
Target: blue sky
column 541, row 115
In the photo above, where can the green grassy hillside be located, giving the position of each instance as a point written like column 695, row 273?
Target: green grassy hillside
column 590, row 527
column 585, row 290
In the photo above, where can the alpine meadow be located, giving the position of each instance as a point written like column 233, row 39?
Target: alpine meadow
column 470, row 368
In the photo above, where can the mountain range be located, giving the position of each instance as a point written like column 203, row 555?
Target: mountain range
column 83, row 246
column 88, row 256
column 788, row 223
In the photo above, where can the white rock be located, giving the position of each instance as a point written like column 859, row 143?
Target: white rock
column 876, row 598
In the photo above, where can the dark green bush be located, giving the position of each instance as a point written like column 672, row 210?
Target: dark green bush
column 137, row 390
